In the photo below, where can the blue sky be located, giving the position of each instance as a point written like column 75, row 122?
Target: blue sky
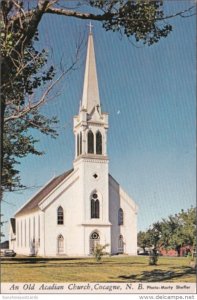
column 149, row 93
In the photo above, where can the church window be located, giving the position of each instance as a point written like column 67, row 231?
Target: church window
column 95, row 206
column 21, row 233
column 77, row 144
column 120, row 216
column 29, row 231
column 34, row 227
column 95, row 236
column 80, row 146
column 17, row 233
column 98, row 143
column 94, row 241
column 60, row 244
column 38, row 227
column 60, row 216
column 25, row 232
column 120, row 244
column 92, row 208
column 90, row 142
column 95, row 176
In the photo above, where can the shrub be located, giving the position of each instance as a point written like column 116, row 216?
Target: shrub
column 99, row 252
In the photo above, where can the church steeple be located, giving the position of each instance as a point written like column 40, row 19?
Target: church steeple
column 91, row 124
column 91, row 159
column 90, row 97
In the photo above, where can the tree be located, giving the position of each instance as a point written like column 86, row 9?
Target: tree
column 1, row 224
column 172, row 232
column 185, row 233
column 188, row 223
column 22, row 65
column 25, row 74
column 154, row 235
column 143, row 240
column 18, row 117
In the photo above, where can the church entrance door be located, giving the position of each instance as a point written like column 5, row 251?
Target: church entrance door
column 94, row 240
column 60, row 244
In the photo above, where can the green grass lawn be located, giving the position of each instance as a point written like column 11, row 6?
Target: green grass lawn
column 111, row 269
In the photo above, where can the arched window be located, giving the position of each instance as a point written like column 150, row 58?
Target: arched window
column 120, row 244
column 98, row 143
column 25, row 232
column 80, row 146
column 38, row 227
column 60, row 216
column 21, row 233
column 95, row 206
column 34, row 227
column 29, row 231
column 120, row 216
column 92, row 208
column 94, row 240
column 90, row 142
column 17, row 233
column 60, row 244
column 97, row 209
column 77, row 144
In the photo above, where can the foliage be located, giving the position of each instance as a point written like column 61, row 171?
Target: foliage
column 154, row 234
column 181, row 229
column 1, row 224
column 135, row 18
column 143, row 240
column 173, row 232
column 18, row 140
column 187, row 222
column 99, row 251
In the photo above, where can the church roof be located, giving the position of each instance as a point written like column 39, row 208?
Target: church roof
column 33, row 203
column 90, row 97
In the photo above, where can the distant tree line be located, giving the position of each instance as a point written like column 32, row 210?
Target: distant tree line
column 173, row 232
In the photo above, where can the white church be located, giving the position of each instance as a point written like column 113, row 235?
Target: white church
column 84, row 206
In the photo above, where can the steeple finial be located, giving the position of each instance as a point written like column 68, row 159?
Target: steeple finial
column 90, row 27
column 90, row 97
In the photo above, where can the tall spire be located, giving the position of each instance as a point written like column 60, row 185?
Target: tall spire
column 90, row 97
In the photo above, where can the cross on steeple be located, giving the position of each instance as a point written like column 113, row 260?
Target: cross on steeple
column 90, row 27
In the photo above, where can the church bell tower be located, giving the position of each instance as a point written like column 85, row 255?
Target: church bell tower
column 90, row 126
column 90, row 130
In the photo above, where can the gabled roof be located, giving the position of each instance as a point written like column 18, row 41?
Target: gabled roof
column 32, row 205
column 123, row 194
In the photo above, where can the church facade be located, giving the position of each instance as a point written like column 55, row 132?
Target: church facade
column 84, row 206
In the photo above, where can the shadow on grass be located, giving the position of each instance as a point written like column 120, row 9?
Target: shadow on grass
column 62, row 261
column 43, row 264
column 34, row 260
column 158, row 275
